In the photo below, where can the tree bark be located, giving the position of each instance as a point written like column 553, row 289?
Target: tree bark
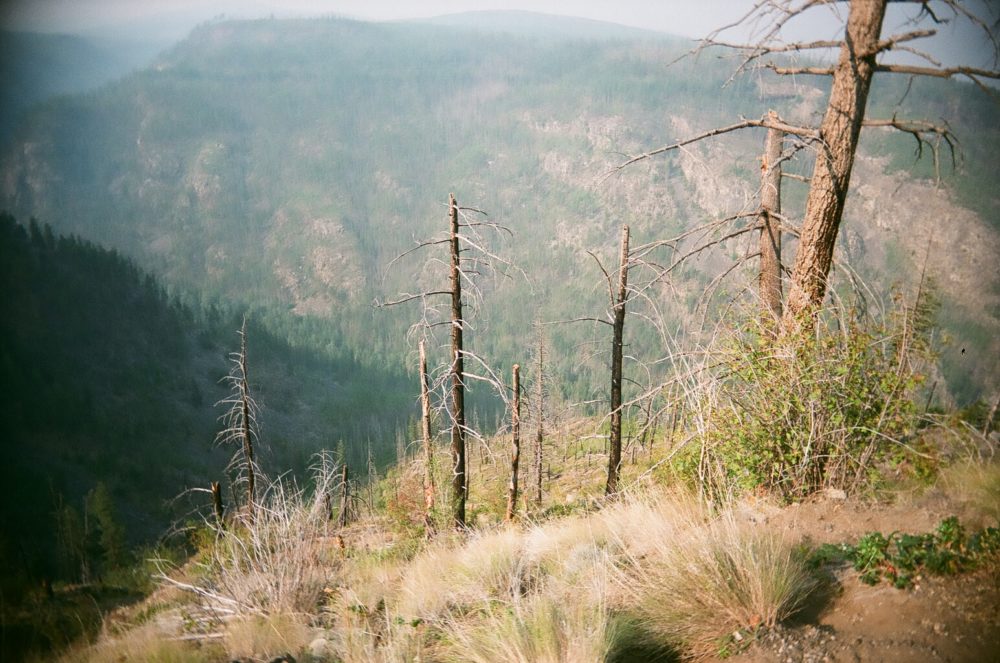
column 459, row 485
column 425, row 420
column 615, row 441
column 515, row 457
column 246, row 429
column 345, row 498
column 220, row 510
column 839, row 132
column 770, row 228
column 539, row 433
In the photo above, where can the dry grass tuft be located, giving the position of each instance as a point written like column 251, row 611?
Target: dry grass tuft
column 145, row 644
column 697, row 578
column 978, row 484
column 539, row 629
column 261, row 637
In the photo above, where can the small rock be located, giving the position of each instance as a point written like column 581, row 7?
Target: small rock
column 836, row 494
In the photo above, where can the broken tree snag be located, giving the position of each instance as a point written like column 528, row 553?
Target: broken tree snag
column 831, row 176
column 220, row 510
column 459, row 485
column 770, row 227
column 515, row 456
column 425, row 420
column 615, row 448
column 345, row 498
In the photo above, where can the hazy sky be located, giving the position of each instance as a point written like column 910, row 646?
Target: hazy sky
column 685, row 17
column 172, row 19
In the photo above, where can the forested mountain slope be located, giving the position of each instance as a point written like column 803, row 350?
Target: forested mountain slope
column 106, row 379
column 36, row 67
column 286, row 163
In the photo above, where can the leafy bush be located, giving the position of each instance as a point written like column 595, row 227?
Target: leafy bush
column 807, row 412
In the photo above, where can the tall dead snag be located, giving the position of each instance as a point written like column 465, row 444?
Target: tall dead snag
column 618, row 326
column 831, row 176
column 515, row 456
column 770, row 226
column 459, row 484
column 469, row 258
column 425, row 429
column 245, row 423
column 345, row 497
column 540, row 418
column 240, row 421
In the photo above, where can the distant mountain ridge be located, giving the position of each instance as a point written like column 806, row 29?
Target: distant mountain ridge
column 536, row 24
column 287, row 162
column 35, row 67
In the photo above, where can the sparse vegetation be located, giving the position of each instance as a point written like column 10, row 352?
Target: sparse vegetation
column 901, row 558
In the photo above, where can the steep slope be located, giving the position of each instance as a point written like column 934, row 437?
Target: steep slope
column 37, row 67
column 104, row 378
column 288, row 162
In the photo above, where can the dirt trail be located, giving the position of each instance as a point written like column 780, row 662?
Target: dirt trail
column 953, row 618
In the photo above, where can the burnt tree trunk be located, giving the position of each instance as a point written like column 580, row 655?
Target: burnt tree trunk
column 831, row 176
column 515, row 457
column 220, row 510
column 770, row 228
column 615, row 441
column 246, row 427
column 345, row 498
column 425, row 420
column 459, row 485
column 540, row 411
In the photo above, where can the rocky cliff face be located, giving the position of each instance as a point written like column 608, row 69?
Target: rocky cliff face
column 288, row 162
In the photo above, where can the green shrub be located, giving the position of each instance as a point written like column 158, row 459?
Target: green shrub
column 807, row 412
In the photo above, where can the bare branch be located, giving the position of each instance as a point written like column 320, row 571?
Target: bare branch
column 562, row 322
column 409, row 298
column 764, row 122
column 893, row 41
column 935, row 72
column 794, row 71
column 611, row 287
column 920, row 129
column 797, row 178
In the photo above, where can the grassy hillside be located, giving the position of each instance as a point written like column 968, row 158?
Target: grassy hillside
column 656, row 575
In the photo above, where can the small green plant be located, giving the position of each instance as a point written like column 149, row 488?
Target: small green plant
column 901, row 558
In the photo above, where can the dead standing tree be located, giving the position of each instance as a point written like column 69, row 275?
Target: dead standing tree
column 770, row 226
column 515, row 431
column 836, row 139
column 459, row 485
column 618, row 294
column 618, row 330
column 427, row 441
column 469, row 256
column 540, row 383
column 240, row 422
